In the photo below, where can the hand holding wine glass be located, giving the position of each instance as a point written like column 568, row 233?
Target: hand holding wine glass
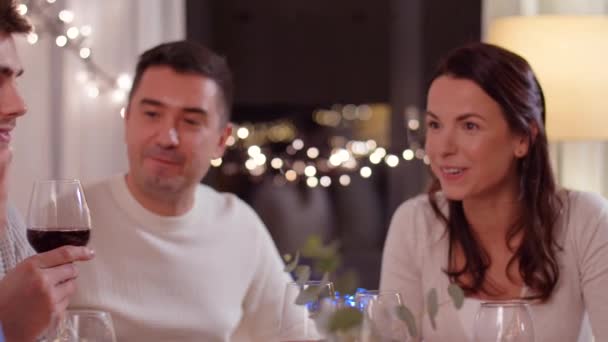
column 37, row 290
column 58, row 216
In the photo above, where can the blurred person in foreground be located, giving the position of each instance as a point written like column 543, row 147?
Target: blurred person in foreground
column 494, row 221
column 177, row 260
column 34, row 289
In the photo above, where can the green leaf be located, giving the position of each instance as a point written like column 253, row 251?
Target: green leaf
column 314, row 248
column 407, row 316
column 457, row 295
column 345, row 319
column 287, row 257
column 292, row 265
column 432, row 306
column 302, row 274
column 327, row 264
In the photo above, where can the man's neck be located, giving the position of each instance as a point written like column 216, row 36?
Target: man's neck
column 163, row 204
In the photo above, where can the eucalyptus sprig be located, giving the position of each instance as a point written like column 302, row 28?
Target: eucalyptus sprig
column 432, row 308
column 344, row 322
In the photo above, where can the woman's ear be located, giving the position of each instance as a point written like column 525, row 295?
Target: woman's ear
column 523, row 142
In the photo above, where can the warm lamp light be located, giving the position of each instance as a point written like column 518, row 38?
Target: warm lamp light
column 569, row 55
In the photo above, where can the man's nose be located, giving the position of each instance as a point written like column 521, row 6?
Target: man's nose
column 11, row 102
column 168, row 136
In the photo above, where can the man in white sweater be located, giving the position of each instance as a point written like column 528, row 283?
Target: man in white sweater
column 176, row 260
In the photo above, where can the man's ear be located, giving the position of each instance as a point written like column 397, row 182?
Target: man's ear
column 221, row 145
column 126, row 114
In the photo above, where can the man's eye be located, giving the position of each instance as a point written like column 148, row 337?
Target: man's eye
column 192, row 122
column 471, row 126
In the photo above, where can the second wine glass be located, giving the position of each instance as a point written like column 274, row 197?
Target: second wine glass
column 380, row 320
column 504, row 321
column 302, row 304
column 84, row 325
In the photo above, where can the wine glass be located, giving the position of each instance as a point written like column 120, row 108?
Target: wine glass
column 380, row 319
column 362, row 298
column 504, row 321
column 58, row 215
column 84, row 325
column 303, row 305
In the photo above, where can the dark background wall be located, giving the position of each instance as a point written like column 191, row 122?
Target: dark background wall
column 305, row 54
column 300, row 52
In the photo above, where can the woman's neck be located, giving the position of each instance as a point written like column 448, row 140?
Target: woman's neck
column 491, row 216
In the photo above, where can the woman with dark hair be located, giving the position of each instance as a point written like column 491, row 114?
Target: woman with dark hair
column 494, row 222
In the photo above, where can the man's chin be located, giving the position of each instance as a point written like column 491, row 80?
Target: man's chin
column 164, row 183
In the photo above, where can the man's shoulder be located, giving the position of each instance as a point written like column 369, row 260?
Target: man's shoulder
column 95, row 188
column 222, row 203
column 98, row 184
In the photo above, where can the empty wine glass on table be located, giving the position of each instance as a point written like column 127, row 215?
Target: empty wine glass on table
column 380, row 319
column 84, row 325
column 58, row 215
column 504, row 321
column 362, row 298
column 302, row 306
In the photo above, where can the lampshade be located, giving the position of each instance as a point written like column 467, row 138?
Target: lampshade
column 569, row 55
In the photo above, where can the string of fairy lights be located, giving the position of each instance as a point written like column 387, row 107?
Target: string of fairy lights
column 61, row 25
column 302, row 161
column 251, row 147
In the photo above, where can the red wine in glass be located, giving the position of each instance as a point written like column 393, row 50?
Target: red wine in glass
column 58, row 215
column 44, row 240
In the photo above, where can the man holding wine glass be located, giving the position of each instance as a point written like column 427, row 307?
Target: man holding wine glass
column 33, row 289
column 176, row 260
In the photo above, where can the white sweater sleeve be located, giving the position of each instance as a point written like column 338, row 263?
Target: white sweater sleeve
column 401, row 258
column 592, row 247
column 264, row 299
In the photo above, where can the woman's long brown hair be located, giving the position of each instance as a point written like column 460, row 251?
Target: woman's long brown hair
column 509, row 80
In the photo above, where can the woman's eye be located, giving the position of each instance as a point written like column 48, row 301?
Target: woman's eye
column 433, row 124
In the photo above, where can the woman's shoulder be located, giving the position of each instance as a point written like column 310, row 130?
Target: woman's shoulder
column 581, row 214
column 420, row 216
column 581, row 208
column 423, row 205
column 582, row 202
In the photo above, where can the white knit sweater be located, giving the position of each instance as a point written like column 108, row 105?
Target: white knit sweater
column 212, row 274
column 416, row 252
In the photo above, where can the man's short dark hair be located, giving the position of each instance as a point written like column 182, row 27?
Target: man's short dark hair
column 189, row 57
column 10, row 19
